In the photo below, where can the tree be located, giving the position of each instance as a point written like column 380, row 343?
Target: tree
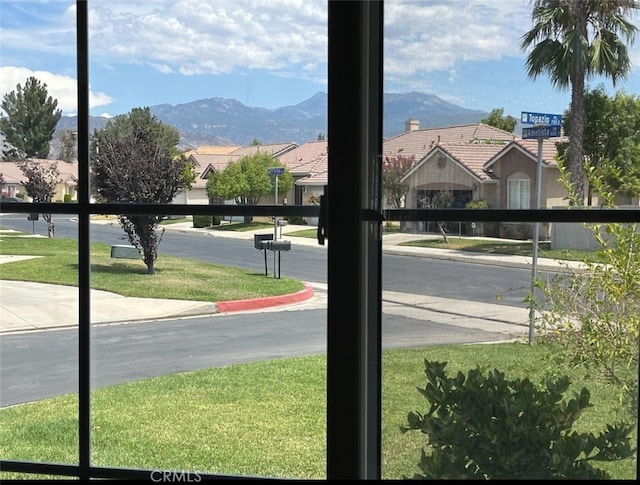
column 496, row 118
column 2, row 182
column 247, row 180
column 611, row 140
column 137, row 167
column 393, row 169
column 42, row 178
column 572, row 40
column 439, row 200
column 68, row 146
column 31, row 118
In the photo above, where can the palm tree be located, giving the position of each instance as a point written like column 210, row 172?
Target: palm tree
column 573, row 40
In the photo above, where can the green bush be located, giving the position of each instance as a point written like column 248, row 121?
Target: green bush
column 296, row 220
column 488, row 427
column 216, row 220
column 67, row 198
column 202, row 221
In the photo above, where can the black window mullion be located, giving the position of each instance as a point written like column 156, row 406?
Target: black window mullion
column 84, row 256
column 354, row 303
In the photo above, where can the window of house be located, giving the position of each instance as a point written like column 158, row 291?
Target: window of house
column 518, row 193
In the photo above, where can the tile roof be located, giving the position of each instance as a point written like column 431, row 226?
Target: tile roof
column 12, row 173
column 304, row 154
column 315, row 172
column 213, row 150
column 420, row 142
column 472, row 156
column 275, row 149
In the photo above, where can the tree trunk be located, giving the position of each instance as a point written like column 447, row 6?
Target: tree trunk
column 443, row 232
column 576, row 131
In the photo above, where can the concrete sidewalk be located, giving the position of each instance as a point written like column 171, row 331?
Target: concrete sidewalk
column 26, row 306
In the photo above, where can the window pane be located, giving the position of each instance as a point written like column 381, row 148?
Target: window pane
column 39, row 340
column 479, row 294
column 188, row 374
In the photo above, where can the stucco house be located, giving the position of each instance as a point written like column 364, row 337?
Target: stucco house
column 209, row 159
column 477, row 162
column 14, row 179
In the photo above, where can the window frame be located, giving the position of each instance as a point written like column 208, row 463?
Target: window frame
column 354, row 219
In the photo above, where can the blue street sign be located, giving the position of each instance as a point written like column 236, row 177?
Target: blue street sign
column 540, row 132
column 527, row 118
column 276, row 171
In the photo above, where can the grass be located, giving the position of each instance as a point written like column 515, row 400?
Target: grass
column 498, row 246
column 175, row 278
column 266, row 418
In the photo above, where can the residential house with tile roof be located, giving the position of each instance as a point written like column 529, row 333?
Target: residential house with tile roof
column 478, row 162
column 14, row 179
column 209, row 159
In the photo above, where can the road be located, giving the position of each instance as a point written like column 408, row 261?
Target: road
column 44, row 364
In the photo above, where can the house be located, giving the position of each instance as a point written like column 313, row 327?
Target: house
column 210, row 159
column 14, row 179
column 477, row 162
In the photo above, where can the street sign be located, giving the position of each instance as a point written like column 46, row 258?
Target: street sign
column 276, row 171
column 527, row 118
column 540, row 132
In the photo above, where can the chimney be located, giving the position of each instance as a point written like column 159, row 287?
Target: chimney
column 412, row 125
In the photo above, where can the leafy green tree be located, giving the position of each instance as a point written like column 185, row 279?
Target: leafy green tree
column 137, row 166
column 31, row 118
column 572, row 40
column 594, row 312
column 42, row 178
column 611, row 140
column 247, row 180
column 497, row 119
column 393, row 169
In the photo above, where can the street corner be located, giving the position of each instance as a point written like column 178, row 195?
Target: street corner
column 269, row 301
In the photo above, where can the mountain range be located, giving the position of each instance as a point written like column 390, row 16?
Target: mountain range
column 221, row 121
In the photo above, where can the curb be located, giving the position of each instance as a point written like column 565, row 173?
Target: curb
column 269, row 301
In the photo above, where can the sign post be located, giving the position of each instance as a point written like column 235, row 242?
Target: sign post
column 545, row 126
column 276, row 171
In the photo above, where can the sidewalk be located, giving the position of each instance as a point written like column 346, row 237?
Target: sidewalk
column 29, row 306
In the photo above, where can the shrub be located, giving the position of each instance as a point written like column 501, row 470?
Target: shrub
column 488, row 427
column 296, row 220
column 202, row 221
column 67, row 198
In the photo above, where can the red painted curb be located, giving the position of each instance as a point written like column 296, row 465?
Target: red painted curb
column 268, row 301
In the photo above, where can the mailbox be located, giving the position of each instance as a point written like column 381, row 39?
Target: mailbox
column 279, row 245
column 260, row 240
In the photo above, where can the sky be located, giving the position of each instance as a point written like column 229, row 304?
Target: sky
column 273, row 54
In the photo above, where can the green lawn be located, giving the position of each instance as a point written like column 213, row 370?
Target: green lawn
column 175, row 278
column 266, row 418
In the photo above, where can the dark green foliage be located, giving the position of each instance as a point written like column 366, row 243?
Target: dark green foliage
column 489, row 427
column 202, row 221
column 133, row 162
column 31, row 118
column 297, row 220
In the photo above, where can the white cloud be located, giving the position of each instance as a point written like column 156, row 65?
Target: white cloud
column 62, row 88
column 197, row 37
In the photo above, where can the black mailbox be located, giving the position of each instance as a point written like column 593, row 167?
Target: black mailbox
column 260, row 240
column 32, row 217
